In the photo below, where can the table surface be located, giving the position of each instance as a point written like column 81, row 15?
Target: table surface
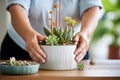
column 103, row 69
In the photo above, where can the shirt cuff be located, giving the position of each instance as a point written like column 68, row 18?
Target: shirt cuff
column 24, row 3
column 86, row 4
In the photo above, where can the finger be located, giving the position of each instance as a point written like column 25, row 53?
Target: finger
column 79, row 52
column 36, row 56
column 79, row 48
column 39, row 57
column 37, row 48
column 36, row 59
column 80, row 55
column 32, row 50
column 76, row 38
column 40, row 37
column 39, row 51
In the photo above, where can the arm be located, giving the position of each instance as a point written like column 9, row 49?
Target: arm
column 89, row 23
column 22, row 26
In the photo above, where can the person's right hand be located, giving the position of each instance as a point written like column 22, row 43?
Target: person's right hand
column 34, row 48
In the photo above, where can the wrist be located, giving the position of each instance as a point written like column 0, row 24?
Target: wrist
column 29, row 35
column 85, row 36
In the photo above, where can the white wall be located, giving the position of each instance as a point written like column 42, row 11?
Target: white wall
column 3, row 20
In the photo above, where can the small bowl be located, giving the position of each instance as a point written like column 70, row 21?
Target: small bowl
column 31, row 69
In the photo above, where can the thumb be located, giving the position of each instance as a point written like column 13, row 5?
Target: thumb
column 40, row 37
column 76, row 38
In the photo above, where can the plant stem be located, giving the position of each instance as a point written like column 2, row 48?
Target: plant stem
column 51, row 24
column 60, row 12
column 56, row 17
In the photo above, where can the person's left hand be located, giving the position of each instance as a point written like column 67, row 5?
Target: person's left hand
column 82, row 45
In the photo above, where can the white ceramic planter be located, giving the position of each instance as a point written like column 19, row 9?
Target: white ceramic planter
column 59, row 57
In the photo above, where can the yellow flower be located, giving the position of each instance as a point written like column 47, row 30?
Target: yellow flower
column 74, row 22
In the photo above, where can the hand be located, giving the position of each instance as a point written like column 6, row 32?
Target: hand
column 33, row 47
column 82, row 45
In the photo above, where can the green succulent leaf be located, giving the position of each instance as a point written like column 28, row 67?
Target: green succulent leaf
column 13, row 61
column 47, row 31
column 52, row 40
column 55, row 30
column 80, row 67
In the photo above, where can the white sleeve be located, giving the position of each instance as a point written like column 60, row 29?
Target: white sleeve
column 24, row 3
column 86, row 4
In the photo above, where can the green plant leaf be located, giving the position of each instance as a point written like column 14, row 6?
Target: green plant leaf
column 47, row 31
column 112, row 5
column 52, row 40
column 55, row 31
column 80, row 67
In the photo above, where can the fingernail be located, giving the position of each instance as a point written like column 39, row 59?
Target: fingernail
column 43, row 60
column 75, row 52
column 78, row 57
column 75, row 43
column 76, row 60
column 44, row 56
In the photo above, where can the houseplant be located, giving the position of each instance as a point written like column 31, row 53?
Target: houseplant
column 58, row 45
column 18, row 67
column 109, row 25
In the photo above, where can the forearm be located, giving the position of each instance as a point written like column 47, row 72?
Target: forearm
column 89, row 21
column 20, row 21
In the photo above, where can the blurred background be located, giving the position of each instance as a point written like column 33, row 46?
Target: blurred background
column 3, row 20
column 105, row 42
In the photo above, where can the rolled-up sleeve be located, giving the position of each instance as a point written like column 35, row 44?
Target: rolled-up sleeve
column 24, row 3
column 86, row 4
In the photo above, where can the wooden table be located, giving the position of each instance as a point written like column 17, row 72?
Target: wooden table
column 102, row 70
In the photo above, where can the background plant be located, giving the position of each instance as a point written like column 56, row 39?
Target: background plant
column 109, row 24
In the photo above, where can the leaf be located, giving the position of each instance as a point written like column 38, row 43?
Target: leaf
column 80, row 67
column 47, row 31
column 55, row 31
column 52, row 40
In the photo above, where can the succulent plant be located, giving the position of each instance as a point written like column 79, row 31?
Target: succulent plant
column 80, row 67
column 57, row 35
column 14, row 62
column 52, row 40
